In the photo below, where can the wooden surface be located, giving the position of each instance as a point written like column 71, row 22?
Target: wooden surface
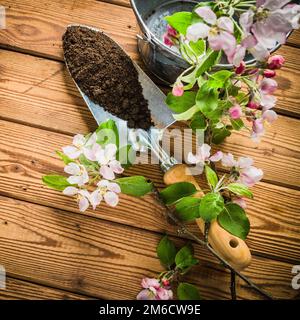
column 50, row 249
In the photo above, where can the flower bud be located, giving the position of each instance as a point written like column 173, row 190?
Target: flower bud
column 269, row 73
column 252, row 105
column 178, row 89
column 167, row 40
column 241, row 68
column 171, row 31
column 276, row 62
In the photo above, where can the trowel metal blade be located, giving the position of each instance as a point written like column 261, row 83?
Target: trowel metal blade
column 161, row 115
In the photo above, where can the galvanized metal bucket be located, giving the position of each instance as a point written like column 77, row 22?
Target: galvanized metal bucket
column 165, row 63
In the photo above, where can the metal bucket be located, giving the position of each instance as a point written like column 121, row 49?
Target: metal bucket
column 165, row 63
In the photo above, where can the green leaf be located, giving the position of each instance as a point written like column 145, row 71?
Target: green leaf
column 212, row 204
column 136, row 186
column 187, row 209
column 56, row 182
column 207, row 102
column 237, row 124
column 187, row 291
column 219, row 135
column 187, row 115
column 177, row 191
column 208, row 61
column 126, row 156
column 166, row 251
column 107, row 132
column 234, row 219
column 219, row 79
column 184, row 258
column 64, row 158
column 211, row 176
column 198, row 122
column 198, row 47
column 93, row 165
column 240, row 190
column 183, row 103
column 180, row 21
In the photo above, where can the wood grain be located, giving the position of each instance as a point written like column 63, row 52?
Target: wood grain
column 103, row 259
column 39, row 92
column 23, row 290
column 274, row 214
column 125, row 3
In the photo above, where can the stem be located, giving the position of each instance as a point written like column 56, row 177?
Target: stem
column 233, row 285
column 206, row 231
column 184, row 229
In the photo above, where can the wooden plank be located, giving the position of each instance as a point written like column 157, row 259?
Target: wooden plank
column 274, row 214
column 125, row 3
column 106, row 260
column 22, row 290
column 29, row 28
column 39, row 92
column 294, row 39
column 38, row 26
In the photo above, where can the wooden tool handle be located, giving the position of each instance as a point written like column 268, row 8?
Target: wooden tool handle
column 233, row 249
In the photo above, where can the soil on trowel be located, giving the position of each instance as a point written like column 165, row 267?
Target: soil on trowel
column 106, row 75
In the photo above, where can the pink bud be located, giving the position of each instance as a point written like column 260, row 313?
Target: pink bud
column 171, row 31
column 235, row 112
column 167, row 40
column 241, row 68
column 276, row 62
column 253, row 105
column 165, row 282
column 178, row 89
column 269, row 73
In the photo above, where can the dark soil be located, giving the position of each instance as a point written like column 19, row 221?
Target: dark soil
column 106, row 75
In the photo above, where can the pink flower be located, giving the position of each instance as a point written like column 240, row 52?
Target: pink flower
column 203, row 155
column 167, row 40
column 171, row 31
column 154, row 290
column 235, row 112
column 107, row 191
column 219, row 32
column 240, row 202
column 268, row 86
column 269, row 73
column 276, row 62
column 267, row 101
column 248, row 174
column 178, row 89
column 241, row 68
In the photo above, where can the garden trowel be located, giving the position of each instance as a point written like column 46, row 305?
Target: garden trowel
column 231, row 248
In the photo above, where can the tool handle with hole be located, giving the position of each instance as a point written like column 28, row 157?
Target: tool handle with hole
column 231, row 248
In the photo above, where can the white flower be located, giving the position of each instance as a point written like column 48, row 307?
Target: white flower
column 78, row 173
column 106, row 190
column 107, row 160
column 79, row 145
column 203, row 155
column 82, row 197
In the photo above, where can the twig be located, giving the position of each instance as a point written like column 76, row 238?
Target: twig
column 185, row 230
column 206, row 231
column 233, row 285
